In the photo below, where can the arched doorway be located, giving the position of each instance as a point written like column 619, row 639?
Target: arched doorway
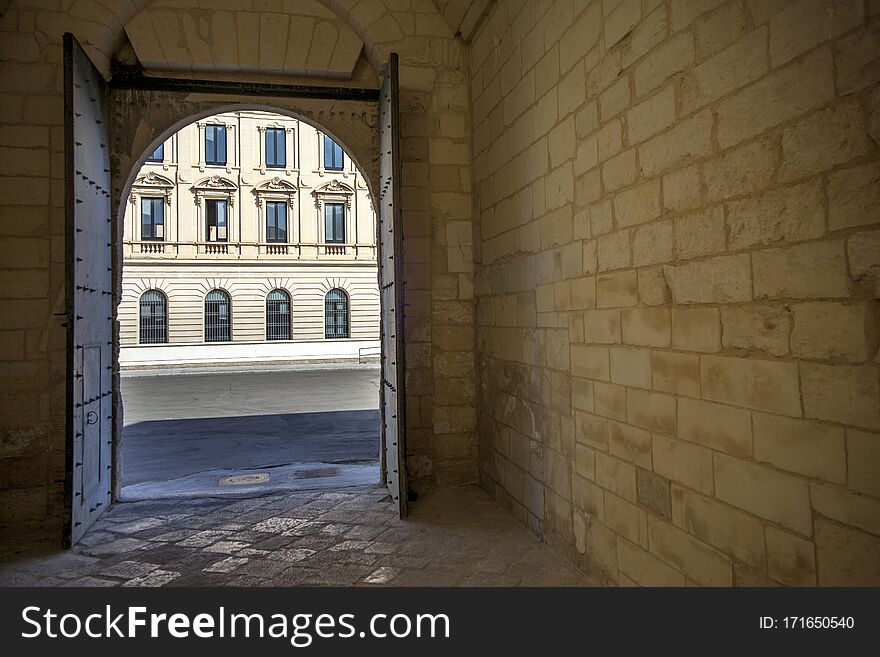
column 142, row 120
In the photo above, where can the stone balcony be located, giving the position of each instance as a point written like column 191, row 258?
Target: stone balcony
column 250, row 250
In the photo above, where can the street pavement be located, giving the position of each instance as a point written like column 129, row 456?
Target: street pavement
column 189, row 427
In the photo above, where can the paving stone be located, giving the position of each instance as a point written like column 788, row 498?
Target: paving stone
column 454, row 537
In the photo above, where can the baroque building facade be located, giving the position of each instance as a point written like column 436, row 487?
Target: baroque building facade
column 248, row 236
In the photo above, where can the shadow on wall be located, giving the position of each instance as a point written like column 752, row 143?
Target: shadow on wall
column 162, row 450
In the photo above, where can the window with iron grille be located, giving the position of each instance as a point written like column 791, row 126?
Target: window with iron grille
column 278, row 315
column 153, row 318
column 152, row 218
column 157, row 155
column 218, row 317
column 333, row 158
column 215, row 144
column 334, row 222
column 216, row 220
column 336, row 314
column 276, row 155
column 276, row 221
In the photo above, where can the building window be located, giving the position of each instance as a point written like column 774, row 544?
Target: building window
column 157, row 155
column 152, row 218
column 153, row 318
column 216, row 216
column 276, row 155
column 215, row 144
column 276, row 221
column 278, row 315
column 336, row 314
column 333, row 159
column 334, row 222
column 218, row 317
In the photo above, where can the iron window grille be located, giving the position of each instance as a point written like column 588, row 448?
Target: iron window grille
column 278, row 315
column 333, row 158
column 276, row 221
column 334, row 222
column 218, row 317
column 157, row 155
column 216, row 211
column 276, row 154
column 336, row 314
column 152, row 218
column 153, row 318
column 215, row 144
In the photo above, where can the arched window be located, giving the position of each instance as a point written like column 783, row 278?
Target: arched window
column 153, row 318
column 278, row 315
column 218, row 317
column 336, row 314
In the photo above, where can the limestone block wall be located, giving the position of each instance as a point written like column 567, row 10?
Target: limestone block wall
column 677, row 281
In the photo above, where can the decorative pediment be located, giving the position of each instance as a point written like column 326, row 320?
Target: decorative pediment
column 276, row 185
column 333, row 187
column 277, row 188
column 217, row 183
column 153, row 180
column 333, row 191
column 151, row 184
column 214, row 187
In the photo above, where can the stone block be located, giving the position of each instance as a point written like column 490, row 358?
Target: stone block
column 723, row 428
column 688, row 140
column 854, row 197
column 790, row 214
column 804, row 447
column 638, row 205
column 759, row 384
column 733, row 68
column 826, row 330
column 651, row 410
column 723, row 279
column 631, row 367
column 696, row 329
column 651, row 116
column 610, row 401
column 683, row 462
column 802, row 271
column 644, row 568
column 778, row 97
column 676, row 373
column 841, row 393
column 863, row 461
column 616, row 476
column 849, row 508
column 731, row 531
column 791, row 560
column 846, row 556
column 630, row 443
column 652, row 243
column 700, row 233
column 650, row 327
column 765, row 492
column 617, row 290
column 653, row 492
column 683, row 189
column 756, row 328
column 807, row 23
column 702, row 563
column 613, row 250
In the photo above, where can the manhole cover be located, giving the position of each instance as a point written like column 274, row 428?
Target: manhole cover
column 317, row 472
column 244, row 480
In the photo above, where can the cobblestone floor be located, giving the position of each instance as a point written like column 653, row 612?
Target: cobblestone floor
column 453, row 537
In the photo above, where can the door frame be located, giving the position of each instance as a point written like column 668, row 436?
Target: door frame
column 133, row 79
